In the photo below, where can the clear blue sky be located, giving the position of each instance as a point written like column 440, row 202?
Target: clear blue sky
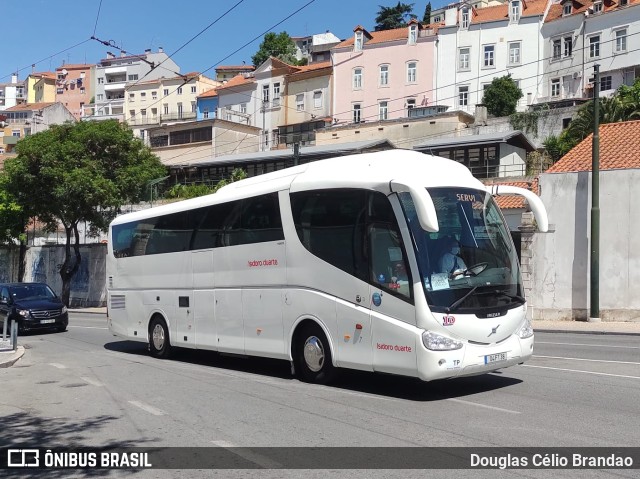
column 42, row 32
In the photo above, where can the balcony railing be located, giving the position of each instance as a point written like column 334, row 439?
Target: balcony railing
column 178, row 116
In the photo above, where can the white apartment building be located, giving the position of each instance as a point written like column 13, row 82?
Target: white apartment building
column 477, row 45
column 576, row 36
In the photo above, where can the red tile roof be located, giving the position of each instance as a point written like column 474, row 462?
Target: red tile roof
column 619, row 147
column 311, row 71
column 76, row 66
column 501, row 12
column 30, row 106
column 513, row 201
column 581, row 6
column 237, row 80
column 378, row 37
column 248, row 68
column 208, row 94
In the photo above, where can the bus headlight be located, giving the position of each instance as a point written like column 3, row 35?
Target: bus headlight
column 64, row 310
column 526, row 331
column 435, row 342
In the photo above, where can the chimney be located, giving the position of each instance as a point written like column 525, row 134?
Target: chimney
column 450, row 16
column 147, row 50
column 110, row 55
column 14, row 78
column 481, row 114
column 123, row 54
column 160, row 50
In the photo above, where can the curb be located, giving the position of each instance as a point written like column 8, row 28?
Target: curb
column 569, row 331
column 12, row 358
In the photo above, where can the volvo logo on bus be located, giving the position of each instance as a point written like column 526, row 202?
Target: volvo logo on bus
column 448, row 320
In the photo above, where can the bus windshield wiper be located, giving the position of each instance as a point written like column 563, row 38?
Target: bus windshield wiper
column 514, row 297
column 455, row 305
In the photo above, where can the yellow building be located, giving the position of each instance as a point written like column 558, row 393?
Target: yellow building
column 41, row 87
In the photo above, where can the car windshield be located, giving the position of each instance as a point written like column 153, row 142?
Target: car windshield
column 31, row 291
column 470, row 265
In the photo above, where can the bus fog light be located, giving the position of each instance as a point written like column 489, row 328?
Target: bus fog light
column 441, row 362
column 435, row 342
column 526, row 331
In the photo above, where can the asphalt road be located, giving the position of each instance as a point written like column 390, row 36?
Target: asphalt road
column 88, row 388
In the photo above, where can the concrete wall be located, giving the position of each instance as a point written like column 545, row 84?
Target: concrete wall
column 42, row 264
column 559, row 267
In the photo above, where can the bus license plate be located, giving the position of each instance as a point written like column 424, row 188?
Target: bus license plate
column 495, row 358
column 47, row 321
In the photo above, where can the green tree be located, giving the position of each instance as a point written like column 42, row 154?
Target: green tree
column 79, row 172
column 426, row 18
column 501, row 96
column 394, row 17
column 630, row 98
column 279, row 45
column 192, row 191
column 13, row 223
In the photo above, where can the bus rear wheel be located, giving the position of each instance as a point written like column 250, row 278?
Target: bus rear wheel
column 159, row 344
column 313, row 355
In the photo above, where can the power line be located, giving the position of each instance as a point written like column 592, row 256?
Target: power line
column 97, row 17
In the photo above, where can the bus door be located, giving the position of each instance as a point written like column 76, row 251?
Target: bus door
column 390, row 293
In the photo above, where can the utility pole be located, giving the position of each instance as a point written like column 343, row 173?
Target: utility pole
column 594, row 314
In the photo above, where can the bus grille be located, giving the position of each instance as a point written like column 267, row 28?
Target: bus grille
column 46, row 314
column 118, row 301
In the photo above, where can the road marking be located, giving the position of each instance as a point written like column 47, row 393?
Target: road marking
column 247, row 454
column 86, row 327
column 147, row 408
column 578, row 371
column 58, row 365
column 93, row 382
column 596, row 345
column 584, row 359
column 469, row 403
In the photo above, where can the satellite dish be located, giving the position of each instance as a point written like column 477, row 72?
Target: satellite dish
column 64, row 71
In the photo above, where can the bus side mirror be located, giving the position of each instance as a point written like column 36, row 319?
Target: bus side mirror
column 535, row 203
column 422, row 200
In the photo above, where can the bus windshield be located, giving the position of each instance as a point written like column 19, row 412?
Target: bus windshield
column 470, row 265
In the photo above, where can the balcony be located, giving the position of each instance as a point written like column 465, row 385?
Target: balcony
column 178, row 116
column 151, row 120
column 115, row 70
column 115, row 86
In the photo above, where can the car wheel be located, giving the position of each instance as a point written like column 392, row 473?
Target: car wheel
column 61, row 328
column 313, row 355
column 159, row 344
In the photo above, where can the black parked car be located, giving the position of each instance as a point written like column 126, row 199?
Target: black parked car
column 34, row 305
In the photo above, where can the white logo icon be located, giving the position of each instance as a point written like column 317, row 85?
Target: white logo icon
column 23, row 458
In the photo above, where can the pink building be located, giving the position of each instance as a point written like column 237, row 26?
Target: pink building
column 74, row 87
column 382, row 75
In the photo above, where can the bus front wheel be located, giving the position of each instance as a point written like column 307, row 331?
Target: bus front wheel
column 313, row 355
column 159, row 344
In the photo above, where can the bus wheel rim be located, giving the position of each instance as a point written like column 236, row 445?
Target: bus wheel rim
column 314, row 354
column 158, row 337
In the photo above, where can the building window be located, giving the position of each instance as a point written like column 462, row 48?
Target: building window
column 514, row 11
column 132, row 114
column 317, row 99
column 411, row 72
column 59, row 91
column 193, row 107
column 437, row 19
column 193, row 89
column 180, row 110
column 464, row 17
column 205, row 113
column 384, row 75
column 567, row 9
column 179, row 91
column 165, row 108
column 143, row 112
column 243, row 108
column 621, row 40
column 165, row 92
column 605, row 83
column 276, row 94
column 143, row 95
column 356, row 113
column 154, row 95
column 489, row 59
column 463, row 59
column 413, row 34
column 597, row 7
column 100, row 96
column 557, row 49
column 629, row 77
column 555, row 87
column 514, row 53
column 300, row 102
column 411, row 104
column 100, row 80
column 568, row 46
column 594, row 46
column 358, row 41
column 132, row 97
column 383, row 110
column 133, row 77
column 357, row 79
column 265, row 94
column 15, row 133
column 463, row 96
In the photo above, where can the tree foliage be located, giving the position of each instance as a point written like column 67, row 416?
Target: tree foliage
column 13, row 219
column 184, row 192
column 278, row 45
column 426, row 18
column 394, row 17
column 501, row 96
column 79, row 172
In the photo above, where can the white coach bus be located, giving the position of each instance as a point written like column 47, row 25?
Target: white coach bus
column 395, row 261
